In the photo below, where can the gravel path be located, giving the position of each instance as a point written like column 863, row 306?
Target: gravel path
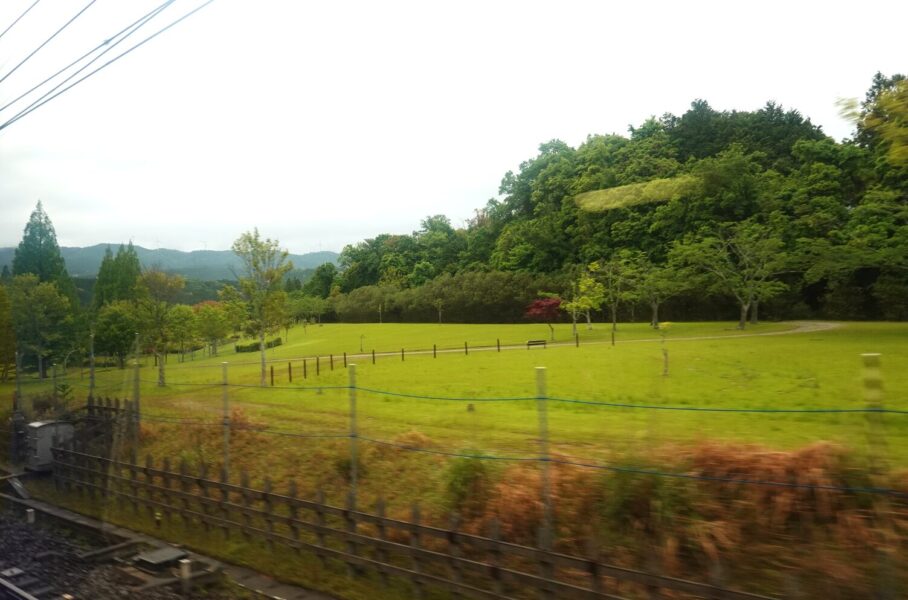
column 21, row 544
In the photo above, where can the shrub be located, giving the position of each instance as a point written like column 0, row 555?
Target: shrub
column 254, row 346
column 467, row 484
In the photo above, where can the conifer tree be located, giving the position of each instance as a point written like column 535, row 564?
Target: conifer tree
column 7, row 336
column 39, row 254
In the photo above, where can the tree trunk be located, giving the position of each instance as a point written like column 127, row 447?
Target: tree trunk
column 552, row 330
column 574, row 324
column 214, row 347
column 262, row 350
column 654, row 321
column 754, row 313
column 41, row 373
column 614, row 317
column 589, row 321
column 161, row 381
column 743, row 320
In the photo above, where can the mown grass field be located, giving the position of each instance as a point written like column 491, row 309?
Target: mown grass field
column 483, row 403
column 710, row 366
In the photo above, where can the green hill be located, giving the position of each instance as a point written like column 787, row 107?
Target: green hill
column 205, row 265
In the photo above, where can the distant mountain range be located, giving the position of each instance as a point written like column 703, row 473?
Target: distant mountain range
column 207, row 265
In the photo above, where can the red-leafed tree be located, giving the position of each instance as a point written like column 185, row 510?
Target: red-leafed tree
column 545, row 310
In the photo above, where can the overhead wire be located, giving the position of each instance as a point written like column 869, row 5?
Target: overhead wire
column 107, row 41
column 19, row 18
column 48, row 40
column 38, row 104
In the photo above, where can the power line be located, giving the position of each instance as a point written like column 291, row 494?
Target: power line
column 19, row 18
column 133, row 28
column 108, row 63
column 47, row 41
column 144, row 19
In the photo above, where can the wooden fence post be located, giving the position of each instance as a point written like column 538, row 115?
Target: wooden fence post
column 293, row 510
column 594, row 554
column 290, row 371
column 455, row 552
column 165, row 483
column 495, row 559
column 320, row 523
column 414, row 543
column 382, row 554
column 185, row 487
column 304, row 369
column 247, row 501
column 202, row 482
column 149, row 484
column 269, row 512
column 225, row 499
column 350, row 520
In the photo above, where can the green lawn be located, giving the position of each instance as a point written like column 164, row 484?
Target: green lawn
column 819, row 369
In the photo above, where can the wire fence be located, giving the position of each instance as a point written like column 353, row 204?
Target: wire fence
column 352, row 436
column 542, row 401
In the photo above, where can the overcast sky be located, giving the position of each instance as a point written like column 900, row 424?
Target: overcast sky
column 324, row 123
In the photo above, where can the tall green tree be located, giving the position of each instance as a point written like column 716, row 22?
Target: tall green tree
column 619, row 276
column 264, row 264
column 743, row 262
column 41, row 318
column 321, row 281
column 212, row 322
column 115, row 330
column 658, row 283
column 182, row 327
column 587, row 294
column 103, row 292
column 157, row 295
column 7, row 335
column 39, row 254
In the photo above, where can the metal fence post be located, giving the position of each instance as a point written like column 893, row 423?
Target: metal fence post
column 542, row 411
column 226, row 420
column 91, row 365
column 17, row 403
column 546, row 568
column 53, row 380
column 354, row 467
column 137, row 413
column 873, row 397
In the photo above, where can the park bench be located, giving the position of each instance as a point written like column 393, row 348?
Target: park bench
column 535, row 343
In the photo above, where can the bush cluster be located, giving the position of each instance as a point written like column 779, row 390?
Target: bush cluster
column 254, row 346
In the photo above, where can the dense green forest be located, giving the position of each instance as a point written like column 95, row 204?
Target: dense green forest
column 707, row 215
column 833, row 215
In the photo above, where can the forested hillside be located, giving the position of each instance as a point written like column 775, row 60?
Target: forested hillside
column 752, row 207
column 202, row 265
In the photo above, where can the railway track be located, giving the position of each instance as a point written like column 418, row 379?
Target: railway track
column 10, row 591
column 43, row 557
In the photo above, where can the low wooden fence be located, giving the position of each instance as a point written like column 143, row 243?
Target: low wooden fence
column 428, row 557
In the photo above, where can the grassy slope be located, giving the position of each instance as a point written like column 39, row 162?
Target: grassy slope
column 818, row 369
column 804, row 370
